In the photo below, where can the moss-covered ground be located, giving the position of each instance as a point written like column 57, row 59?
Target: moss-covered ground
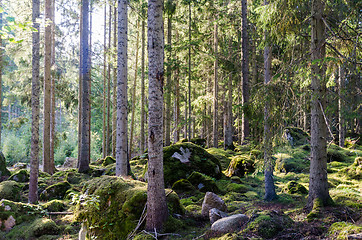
column 112, row 207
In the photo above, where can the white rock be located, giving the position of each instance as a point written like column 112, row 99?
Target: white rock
column 230, row 224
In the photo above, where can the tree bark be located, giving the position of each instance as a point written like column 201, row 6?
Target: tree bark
column 85, row 80
column 228, row 122
column 47, row 167
column 104, row 142
column 215, row 134
column 168, row 83
column 122, row 126
column 114, row 112
column 245, row 71
column 1, row 70
column 157, row 211
column 142, row 133
column 108, row 129
column 318, row 182
column 341, row 84
column 52, row 91
column 189, row 78
column 34, row 161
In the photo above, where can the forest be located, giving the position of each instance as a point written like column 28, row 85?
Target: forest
column 180, row 119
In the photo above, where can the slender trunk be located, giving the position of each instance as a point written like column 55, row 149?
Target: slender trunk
column 228, row 122
column 268, row 162
column 52, row 91
column 104, row 142
column 85, row 80
column 80, row 91
column 122, row 129
column 47, row 167
column 186, row 112
column 245, row 71
column 216, row 91
column 157, row 211
column 341, row 106
column 1, row 70
column 108, row 129
column 318, row 182
column 34, row 161
column 177, row 105
column 114, row 112
column 142, row 143
column 134, row 96
column 168, row 83
column 189, row 101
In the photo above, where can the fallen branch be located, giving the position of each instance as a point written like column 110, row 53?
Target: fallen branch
column 59, row 213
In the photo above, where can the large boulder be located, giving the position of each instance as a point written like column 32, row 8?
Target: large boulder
column 115, row 205
column 20, row 176
column 294, row 187
column 56, row 191
column 240, row 165
column 215, row 214
column 230, row 224
column 4, row 172
column 10, row 190
column 203, row 182
column 211, row 200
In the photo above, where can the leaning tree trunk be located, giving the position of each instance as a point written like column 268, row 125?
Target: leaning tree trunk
column 157, row 212
column 215, row 134
column 318, row 182
column 83, row 165
column 245, row 130
column 122, row 130
column 34, row 161
column 341, row 106
column 47, row 167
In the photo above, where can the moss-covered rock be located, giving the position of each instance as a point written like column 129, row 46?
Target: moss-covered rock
column 20, row 211
column 199, row 141
column 112, row 206
column 4, row 172
column 294, row 187
column 34, row 230
column 240, row 165
column 203, row 182
column 235, row 187
column 336, row 155
column 199, row 160
column 269, row 223
column 55, row 206
column 341, row 230
column 299, row 136
column 56, row 191
column 286, row 163
column 224, row 156
column 20, row 176
column 183, row 186
column 354, row 171
column 108, row 160
column 10, row 190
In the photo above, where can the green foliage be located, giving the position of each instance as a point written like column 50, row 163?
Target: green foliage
column 54, row 206
column 10, row 190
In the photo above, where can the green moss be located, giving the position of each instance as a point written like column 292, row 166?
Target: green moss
column 340, row 230
column 173, row 225
column 55, row 191
column 203, row 182
column 268, row 223
column 316, row 210
column 335, row 155
column 20, row 176
column 10, row 190
column 295, row 188
column 287, row 163
column 300, row 137
column 20, row 211
column 235, row 187
column 183, row 186
column 3, row 170
column 36, row 229
column 240, row 165
column 199, row 141
column 108, row 160
column 223, row 156
column 55, row 206
column 143, row 236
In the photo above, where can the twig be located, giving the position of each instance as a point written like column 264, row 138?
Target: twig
column 199, row 237
column 140, row 221
column 59, row 213
column 325, row 119
column 169, row 193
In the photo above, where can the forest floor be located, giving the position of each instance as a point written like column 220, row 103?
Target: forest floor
column 60, row 218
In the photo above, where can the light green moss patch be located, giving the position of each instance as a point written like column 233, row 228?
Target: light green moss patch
column 240, row 165
column 340, row 230
column 20, row 176
column 10, row 190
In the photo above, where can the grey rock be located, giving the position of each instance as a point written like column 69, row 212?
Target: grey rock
column 212, row 200
column 230, row 224
column 355, row 236
column 215, row 214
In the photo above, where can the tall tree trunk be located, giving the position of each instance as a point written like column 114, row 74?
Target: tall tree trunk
column 318, row 182
column 122, row 128
column 1, row 70
column 114, row 112
column 34, row 161
column 245, row 71
column 157, row 212
column 52, row 91
column 228, row 122
column 104, row 142
column 142, row 133
column 215, row 135
column 341, row 84
column 189, row 78
column 134, row 96
column 177, row 105
column 108, row 135
column 168, row 83
column 85, row 80
column 80, row 90
column 268, row 162
column 47, row 167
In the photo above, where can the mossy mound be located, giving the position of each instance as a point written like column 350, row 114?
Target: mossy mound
column 112, row 206
column 354, row 171
column 267, row 224
column 183, row 186
column 199, row 160
column 20, row 176
column 203, row 182
column 286, row 163
column 341, row 230
column 74, row 177
column 108, row 160
column 300, row 137
column 20, row 211
column 224, row 156
column 55, row 206
column 240, row 165
column 199, row 141
column 10, row 190
column 4, row 172
column 238, row 188
column 55, row 191
column 36, row 229
column 295, row 188
column 335, row 155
